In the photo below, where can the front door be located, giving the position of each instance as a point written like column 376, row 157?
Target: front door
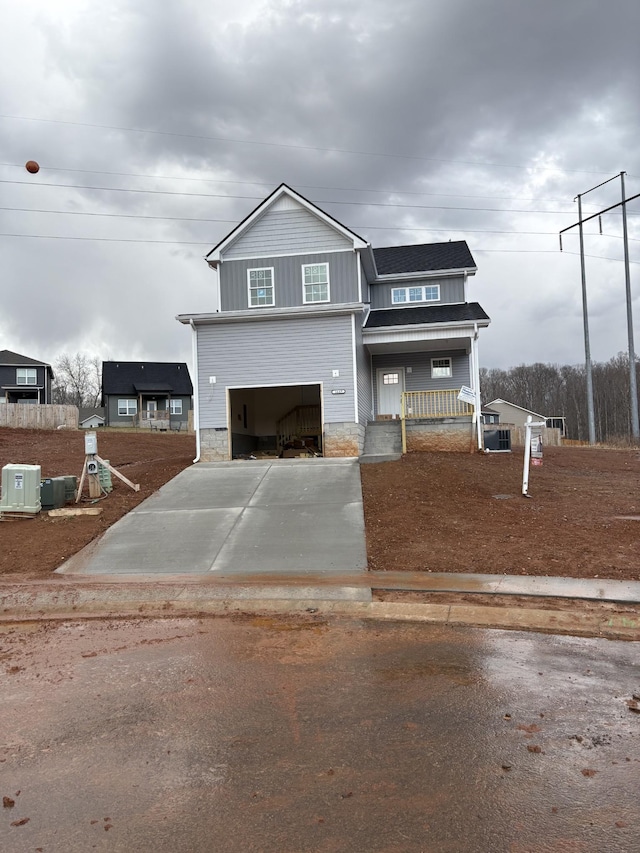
column 152, row 408
column 390, row 388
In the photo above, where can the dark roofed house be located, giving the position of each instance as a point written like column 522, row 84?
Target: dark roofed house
column 151, row 394
column 318, row 337
column 24, row 379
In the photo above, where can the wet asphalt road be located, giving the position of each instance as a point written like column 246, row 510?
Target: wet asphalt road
column 286, row 735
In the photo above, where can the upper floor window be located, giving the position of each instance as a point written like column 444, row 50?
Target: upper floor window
column 315, row 282
column 440, row 368
column 421, row 293
column 261, row 291
column 26, row 376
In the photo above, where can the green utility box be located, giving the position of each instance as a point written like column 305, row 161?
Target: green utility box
column 52, row 492
column 70, row 487
column 104, row 475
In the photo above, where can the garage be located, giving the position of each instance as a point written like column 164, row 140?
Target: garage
column 283, row 421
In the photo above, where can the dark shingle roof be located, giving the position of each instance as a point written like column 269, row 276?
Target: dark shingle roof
column 425, row 257
column 122, row 377
column 8, row 357
column 468, row 311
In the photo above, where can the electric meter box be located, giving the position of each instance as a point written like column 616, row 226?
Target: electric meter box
column 90, row 443
column 20, row 489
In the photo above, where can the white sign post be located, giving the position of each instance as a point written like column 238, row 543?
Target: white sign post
column 532, row 450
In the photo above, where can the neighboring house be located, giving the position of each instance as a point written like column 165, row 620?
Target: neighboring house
column 24, row 379
column 512, row 414
column 316, row 334
column 146, row 394
column 91, row 418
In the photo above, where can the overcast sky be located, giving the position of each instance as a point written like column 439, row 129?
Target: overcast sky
column 158, row 126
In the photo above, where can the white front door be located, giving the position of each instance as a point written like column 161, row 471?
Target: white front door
column 152, row 408
column 390, row 388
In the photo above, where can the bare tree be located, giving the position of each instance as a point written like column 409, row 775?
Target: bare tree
column 77, row 380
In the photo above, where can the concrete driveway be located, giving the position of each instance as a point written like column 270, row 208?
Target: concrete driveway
column 237, row 517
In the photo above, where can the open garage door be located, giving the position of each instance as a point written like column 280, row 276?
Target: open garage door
column 276, row 422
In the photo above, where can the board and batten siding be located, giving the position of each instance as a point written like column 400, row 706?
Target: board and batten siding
column 287, row 280
column 420, row 363
column 276, row 352
column 451, row 291
column 286, row 227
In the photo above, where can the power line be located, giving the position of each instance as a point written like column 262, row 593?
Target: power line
column 290, row 145
column 356, row 227
column 299, row 186
column 260, row 198
column 208, row 243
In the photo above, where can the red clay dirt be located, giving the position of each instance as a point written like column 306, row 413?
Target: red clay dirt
column 34, row 547
column 453, row 512
column 440, row 512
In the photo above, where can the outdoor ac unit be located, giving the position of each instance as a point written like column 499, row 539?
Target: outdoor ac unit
column 20, row 489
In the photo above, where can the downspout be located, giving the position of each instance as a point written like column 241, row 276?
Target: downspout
column 476, row 383
column 196, row 388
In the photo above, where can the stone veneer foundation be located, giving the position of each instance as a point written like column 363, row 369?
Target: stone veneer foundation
column 340, row 439
column 447, row 434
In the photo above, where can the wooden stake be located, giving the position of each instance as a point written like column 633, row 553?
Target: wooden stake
column 84, row 471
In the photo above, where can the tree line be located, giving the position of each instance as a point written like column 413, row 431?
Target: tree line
column 555, row 390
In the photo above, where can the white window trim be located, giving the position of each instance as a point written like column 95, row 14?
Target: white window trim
column 306, row 301
column 421, row 287
column 30, row 375
column 442, row 358
column 123, row 403
column 273, row 287
column 177, row 405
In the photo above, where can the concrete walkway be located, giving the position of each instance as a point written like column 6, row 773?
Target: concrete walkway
column 292, row 515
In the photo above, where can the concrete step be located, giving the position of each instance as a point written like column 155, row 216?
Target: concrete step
column 383, row 437
column 375, row 458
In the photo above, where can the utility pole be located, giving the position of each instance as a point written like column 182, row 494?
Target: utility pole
column 585, row 322
column 633, row 391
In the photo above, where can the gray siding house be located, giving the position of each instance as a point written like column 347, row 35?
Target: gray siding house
column 24, row 379
column 317, row 335
column 151, row 394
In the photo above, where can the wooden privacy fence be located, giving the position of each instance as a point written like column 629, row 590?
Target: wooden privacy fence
column 33, row 416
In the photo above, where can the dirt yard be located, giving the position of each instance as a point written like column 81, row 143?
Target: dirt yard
column 33, row 548
column 440, row 512
column 446, row 512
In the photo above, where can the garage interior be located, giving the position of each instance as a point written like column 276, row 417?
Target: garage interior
column 276, row 422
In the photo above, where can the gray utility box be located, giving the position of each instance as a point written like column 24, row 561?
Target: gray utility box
column 20, row 489
column 52, row 492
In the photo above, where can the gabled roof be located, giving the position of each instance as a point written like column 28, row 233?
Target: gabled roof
column 425, row 257
column 8, row 358
column 213, row 257
column 422, row 314
column 92, row 412
column 522, row 409
column 132, row 377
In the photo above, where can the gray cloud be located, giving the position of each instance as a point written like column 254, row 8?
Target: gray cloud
column 529, row 103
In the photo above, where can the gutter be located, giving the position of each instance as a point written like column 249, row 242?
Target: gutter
column 196, row 389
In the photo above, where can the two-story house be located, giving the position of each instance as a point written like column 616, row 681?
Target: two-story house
column 317, row 334
column 24, row 379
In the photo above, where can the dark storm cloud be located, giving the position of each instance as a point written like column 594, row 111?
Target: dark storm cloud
column 514, row 88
